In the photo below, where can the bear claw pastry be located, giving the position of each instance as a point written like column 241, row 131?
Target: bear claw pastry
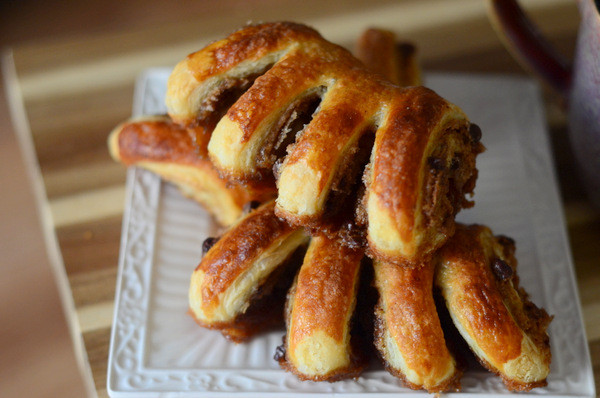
column 422, row 162
column 276, row 102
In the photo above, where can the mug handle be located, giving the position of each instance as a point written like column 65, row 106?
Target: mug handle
column 529, row 46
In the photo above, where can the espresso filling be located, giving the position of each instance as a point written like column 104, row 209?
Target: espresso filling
column 216, row 105
column 288, row 128
column 344, row 203
column 448, row 179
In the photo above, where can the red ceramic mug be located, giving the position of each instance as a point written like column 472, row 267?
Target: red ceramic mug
column 579, row 83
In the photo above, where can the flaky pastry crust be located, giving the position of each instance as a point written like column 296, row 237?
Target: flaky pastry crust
column 235, row 270
column 415, row 131
column 408, row 333
column 319, row 344
column 158, row 144
column 506, row 331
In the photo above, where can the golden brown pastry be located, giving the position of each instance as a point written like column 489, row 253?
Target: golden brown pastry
column 422, row 163
column 379, row 50
column 243, row 267
column 422, row 166
column 408, row 333
column 288, row 103
column 319, row 344
column 203, row 80
column 506, row 331
column 157, row 144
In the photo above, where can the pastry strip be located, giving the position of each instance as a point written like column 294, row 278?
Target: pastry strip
column 319, row 342
column 408, row 333
column 422, row 165
column 236, row 270
column 309, row 172
column 169, row 150
column 506, row 331
column 379, row 50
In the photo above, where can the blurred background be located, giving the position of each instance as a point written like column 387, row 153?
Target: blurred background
column 68, row 72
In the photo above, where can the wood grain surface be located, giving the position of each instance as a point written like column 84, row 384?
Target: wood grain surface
column 78, row 84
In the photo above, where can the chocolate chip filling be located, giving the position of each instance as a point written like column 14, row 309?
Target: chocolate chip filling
column 436, row 163
column 455, row 163
column 501, row 269
column 505, row 240
column 207, row 244
column 475, row 132
column 279, row 353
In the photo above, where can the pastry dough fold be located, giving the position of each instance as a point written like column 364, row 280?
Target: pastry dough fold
column 237, row 270
column 319, row 344
column 506, row 331
column 408, row 333
column 180, row 157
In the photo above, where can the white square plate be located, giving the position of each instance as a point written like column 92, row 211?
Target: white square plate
column 157, row 349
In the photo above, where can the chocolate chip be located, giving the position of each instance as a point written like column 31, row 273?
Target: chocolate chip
column 436, row 163
column 279, row 353
column 501, row 269
column 475, row 132
column 249, row 206
column 208, row 243
column 454, row 164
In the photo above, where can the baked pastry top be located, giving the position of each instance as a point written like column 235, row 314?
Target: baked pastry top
column 418, row 146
